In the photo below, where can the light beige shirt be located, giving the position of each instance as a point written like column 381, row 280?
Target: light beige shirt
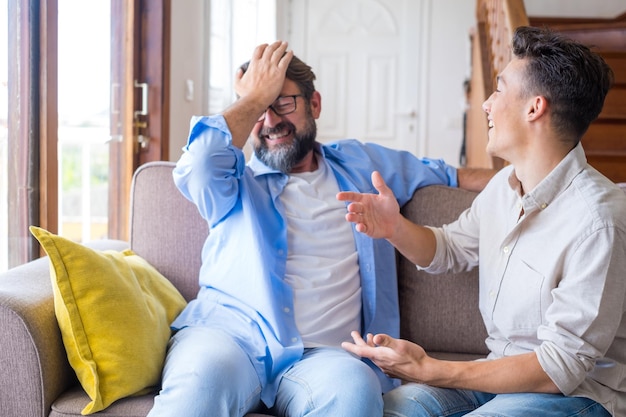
column 553, row 276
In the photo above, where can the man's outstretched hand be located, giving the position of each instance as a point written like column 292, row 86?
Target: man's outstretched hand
column 375, row 215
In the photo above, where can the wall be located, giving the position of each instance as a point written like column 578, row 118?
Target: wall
column 189, row 38
column 448, row 66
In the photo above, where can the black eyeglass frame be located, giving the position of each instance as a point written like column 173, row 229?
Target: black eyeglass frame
column 282, row 113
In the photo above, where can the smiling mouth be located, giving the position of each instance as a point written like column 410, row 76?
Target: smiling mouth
column 278, row 135
column 279, row 132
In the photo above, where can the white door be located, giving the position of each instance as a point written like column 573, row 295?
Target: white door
column 365, row 54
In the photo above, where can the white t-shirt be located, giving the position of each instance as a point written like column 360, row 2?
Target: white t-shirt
column 322, row 263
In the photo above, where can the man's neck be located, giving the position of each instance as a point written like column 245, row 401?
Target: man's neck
column 534, row 163
column 307, row 164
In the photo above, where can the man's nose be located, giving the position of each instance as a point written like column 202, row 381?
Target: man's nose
column 487, row 105
column 271, row 118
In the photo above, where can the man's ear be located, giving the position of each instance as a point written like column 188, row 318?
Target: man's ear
column 316, row 104
column 537, row 107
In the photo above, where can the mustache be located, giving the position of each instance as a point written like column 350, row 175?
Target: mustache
column 284, row 125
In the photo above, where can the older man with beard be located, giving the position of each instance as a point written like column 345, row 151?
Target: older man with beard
column 284, row 278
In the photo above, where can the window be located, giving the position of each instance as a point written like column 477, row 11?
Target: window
column 37, row 104
column 4, row 114
column 237, row 27
column 83, row 107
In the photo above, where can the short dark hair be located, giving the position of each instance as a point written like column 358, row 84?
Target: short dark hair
column 300, row 73
column 572, row 78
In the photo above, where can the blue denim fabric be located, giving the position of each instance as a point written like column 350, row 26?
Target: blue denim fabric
column 208, row 374
column 329, row 382
column 418, row 400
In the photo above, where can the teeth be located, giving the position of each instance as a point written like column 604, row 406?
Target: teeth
column 275, row 136
column 490, row 123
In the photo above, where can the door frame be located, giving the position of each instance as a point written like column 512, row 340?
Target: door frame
column 139, row 66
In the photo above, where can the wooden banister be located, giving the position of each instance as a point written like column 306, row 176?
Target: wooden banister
column 496, row 22
column 605, row 141
column 499, row 19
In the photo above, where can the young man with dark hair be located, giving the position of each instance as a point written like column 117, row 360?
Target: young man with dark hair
column 549, row 236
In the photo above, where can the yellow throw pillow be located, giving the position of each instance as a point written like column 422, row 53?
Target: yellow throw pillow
column 114, row 311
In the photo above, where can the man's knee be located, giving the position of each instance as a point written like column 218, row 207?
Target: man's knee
column 329, row 384
column 419, row 400
column 207, row 370
column 203, row 356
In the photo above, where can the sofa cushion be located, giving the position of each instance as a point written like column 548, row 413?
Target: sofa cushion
column 75, row 399
column 114, row 310
column 138, row 406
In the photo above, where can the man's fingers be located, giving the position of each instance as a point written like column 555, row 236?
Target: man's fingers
column 278, row 50
column 383, row 340
column 356, row 336
column 258, row 51
column 348, row 196
column 285, row 59
column 379, row 184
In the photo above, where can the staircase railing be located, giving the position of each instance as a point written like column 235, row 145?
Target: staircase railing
column 498, row 19
column 496, row 22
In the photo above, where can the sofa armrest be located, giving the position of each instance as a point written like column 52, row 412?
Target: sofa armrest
column 34, row 369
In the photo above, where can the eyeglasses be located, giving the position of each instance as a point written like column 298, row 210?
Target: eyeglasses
column 282, row 106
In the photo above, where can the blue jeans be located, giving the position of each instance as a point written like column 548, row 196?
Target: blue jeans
column 207, row 373
column 418, row 400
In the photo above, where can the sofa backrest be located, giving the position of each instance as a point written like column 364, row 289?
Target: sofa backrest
column 166, row 229
column 440, row 312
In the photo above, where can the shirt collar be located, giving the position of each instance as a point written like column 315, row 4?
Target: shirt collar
column 554, row 183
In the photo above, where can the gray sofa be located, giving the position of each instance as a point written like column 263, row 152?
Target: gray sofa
column 439, row 312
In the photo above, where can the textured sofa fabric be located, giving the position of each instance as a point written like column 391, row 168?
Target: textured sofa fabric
column 440, row 312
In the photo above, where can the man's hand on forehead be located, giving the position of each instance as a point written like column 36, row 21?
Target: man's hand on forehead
column 265, row 74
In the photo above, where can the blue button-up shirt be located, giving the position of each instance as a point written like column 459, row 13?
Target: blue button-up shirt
column 243, row 290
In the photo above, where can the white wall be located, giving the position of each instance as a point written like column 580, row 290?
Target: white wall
column 189, row 38
column 449, row 66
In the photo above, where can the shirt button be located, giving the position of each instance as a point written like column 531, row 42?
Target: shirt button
column 492, row 294
column 286, row 309
column 294, row 339
column 506, row 249
column 544, row 205
column 280, row 252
